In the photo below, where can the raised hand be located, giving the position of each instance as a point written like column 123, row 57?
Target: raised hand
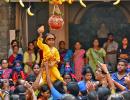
column 103, row 67
column 40, row 30
column 90, row 86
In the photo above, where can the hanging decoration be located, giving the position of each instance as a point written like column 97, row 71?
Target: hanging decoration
column 7, row 1
column 70, row 1
column 82, row 3
column 56, row 2
column 116, row 2
column 29, row 11
column 21, row 3
column 56, row 21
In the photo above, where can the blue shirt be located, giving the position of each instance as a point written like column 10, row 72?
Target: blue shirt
column 128, row 70
column 82, row 85
column 55, row 94
column 121, row 81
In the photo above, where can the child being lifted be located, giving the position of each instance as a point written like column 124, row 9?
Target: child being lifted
column 50, row 55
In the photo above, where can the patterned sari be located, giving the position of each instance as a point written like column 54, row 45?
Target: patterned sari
column 78, row 59
column 94, row 56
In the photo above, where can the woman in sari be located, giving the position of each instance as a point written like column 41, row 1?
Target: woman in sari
column 78, row 59
column 95, row 54
column 15, row 56
column 30, row 57
column 5, row 72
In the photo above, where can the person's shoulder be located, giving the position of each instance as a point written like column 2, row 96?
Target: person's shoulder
column 11, row 56
column 102, row 49
column 69, row 50
column 114, row 74
column 82, row 50
column 114, row 42
column 81, row 82
column 55, row 49
column 26, row 52
column 90, row 49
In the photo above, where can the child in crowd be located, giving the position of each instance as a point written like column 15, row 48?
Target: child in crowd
column 17, row 71
column 50, row 54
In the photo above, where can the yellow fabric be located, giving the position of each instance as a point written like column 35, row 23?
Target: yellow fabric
column 50, row 55
column 26, row 59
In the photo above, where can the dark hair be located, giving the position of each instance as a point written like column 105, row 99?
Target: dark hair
column 44, row 88
column 14, row 41
column 123, row 60
column 34, row 40
column 20, row 89
column 125, row 37
column 39, row 25
column 29, row 44
column 66, row 74
column 14, row 97
column 87, row 69
column 3, row 60
column 72, row 88
column 116, row 97
column 58, row 85
column 93, row 96
column 72, row 78
column 22, row 96
column 126, row 95
column 61, row 42
column 78, row 42
column 31, row 78
column 103, row 93
column 110, row 34
column 46, row 35
column 35, row 64
column 97, row 40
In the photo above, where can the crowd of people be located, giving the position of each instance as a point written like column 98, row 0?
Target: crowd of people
column 44, row 72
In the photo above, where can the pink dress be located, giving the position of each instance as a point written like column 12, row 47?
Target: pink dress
column 78, row 63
